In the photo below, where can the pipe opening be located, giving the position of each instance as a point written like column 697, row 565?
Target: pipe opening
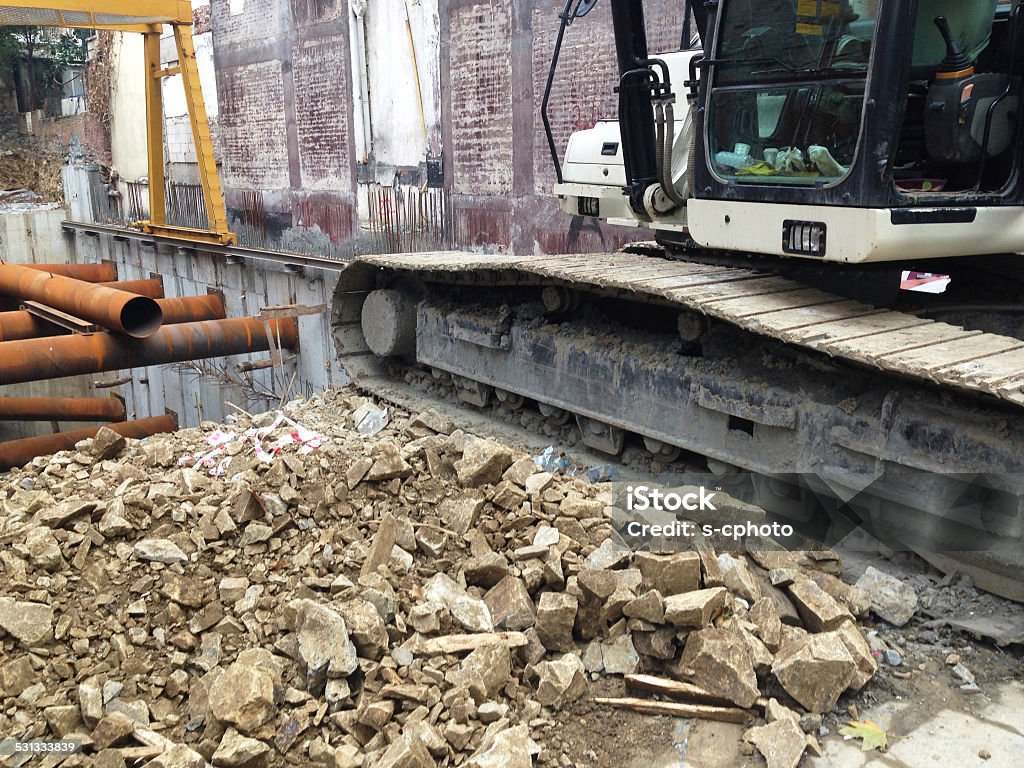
column 141, row 317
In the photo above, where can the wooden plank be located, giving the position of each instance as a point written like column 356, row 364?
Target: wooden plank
column 673, row 709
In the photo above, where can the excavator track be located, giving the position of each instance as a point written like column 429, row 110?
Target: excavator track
column 913, row 424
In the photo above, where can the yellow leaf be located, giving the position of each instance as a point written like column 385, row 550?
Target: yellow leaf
column 871, row 736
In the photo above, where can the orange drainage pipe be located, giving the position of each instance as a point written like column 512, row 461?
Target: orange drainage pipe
column 57, row 356
column 103, row 272
column 18, row 325
column 18, row 453
column 153, row 287
column 62, row 408
column 120, row 311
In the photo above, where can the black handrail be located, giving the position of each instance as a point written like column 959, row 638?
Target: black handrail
column 567, row 16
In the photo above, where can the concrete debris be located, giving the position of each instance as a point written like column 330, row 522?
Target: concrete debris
column 697, row 609
column 817, row 671
column 31, row 624
column 560, row 681
column 891, row 599
column 718, row 661
column 324, row 644
column 781, row 742
column 238, row 750
column 411, row 597
column 819, row 611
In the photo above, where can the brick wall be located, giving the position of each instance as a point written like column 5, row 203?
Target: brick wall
column 481, row 98
column 285, row 96
column 320, row 72
column 253, row 126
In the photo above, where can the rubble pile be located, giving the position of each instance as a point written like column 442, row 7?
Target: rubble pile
column 422, row 597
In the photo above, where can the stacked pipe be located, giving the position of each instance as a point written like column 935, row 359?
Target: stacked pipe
column 141, row 328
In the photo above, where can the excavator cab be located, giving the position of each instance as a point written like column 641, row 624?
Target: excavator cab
column 840, row 130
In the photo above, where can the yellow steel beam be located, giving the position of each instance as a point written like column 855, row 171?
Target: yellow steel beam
column 155, row 130
column 108, row 14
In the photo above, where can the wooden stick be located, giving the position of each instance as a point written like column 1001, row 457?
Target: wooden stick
column 680, row 690
column 672, row 709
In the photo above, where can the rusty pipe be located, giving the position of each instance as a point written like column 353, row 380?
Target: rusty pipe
column 153, row 287
column 24, row 325
column 103, row 272
column 57, row 356
column 192, row 309
column 17, row 453
column 120, row 311
column 62, row 408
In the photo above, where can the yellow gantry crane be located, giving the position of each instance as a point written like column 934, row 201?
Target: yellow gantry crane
column 147, row 17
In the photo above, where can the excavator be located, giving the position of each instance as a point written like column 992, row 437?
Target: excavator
column 801, row 166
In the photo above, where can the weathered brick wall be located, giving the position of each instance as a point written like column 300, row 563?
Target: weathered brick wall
column 253, row 126
column 283, row 76
column 320, row 71
column 286, row 105
column 481, row 98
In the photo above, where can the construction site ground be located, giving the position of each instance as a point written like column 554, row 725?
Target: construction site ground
column 290, row 589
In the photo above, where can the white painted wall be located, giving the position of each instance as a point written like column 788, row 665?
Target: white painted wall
column 174, row 91
column 394, row 108
column 128, row 108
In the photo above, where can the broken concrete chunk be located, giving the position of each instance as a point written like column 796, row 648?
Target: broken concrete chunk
column 649, row 607
column 610, row 554
column 483, row 461
column 323, row 638
column 159, row 551
column 521, row 471
column 718, row 661
column 738, row 577
column 237, row 750
column 510, row 605
column 510, row 748
column 781, row 742
column 859, row 649
column 768, row 624
column 31, row 624
column 891, row 599
column 56, row 515
column 388, row 463
column 817, row 671
column 556, row 615
column 697, row 609
column 560, row 681
column 819, row 611
column 244, row 693
column 669, row 574
column 484, row 671
column 107, row 444
column 620, row 657
column 365, row 627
